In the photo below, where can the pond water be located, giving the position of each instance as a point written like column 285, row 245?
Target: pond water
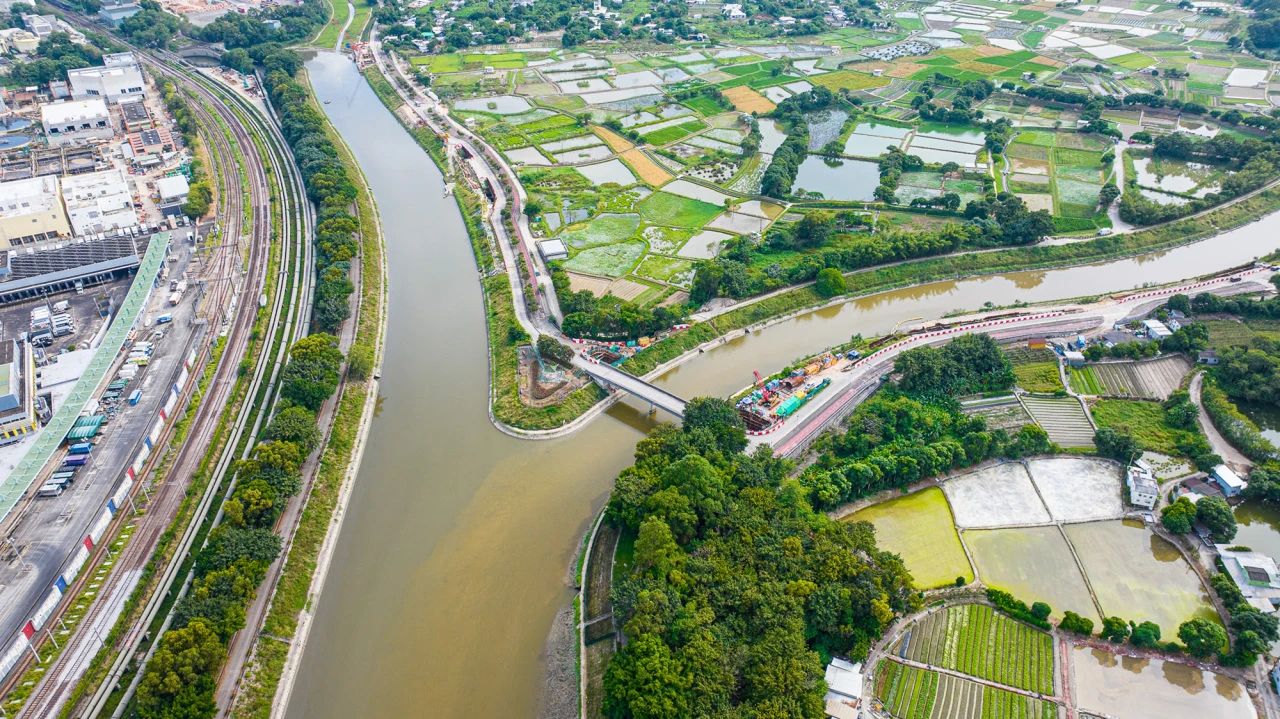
column 13, row 124
column 941, row 157
column 869, row 145
column 498, row 104
column 880, row 129
column 1033, row 564
column 1162, row 198
column 850, row 180
column 952, row 132
column 1181, row 182
column 771, row 136
column 9, row 142
column 610, row 171
column 1133, row 688
column 824, row 127
column 1267, row 419
column 1258, row 528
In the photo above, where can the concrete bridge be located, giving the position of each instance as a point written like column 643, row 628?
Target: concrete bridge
column 611, row 377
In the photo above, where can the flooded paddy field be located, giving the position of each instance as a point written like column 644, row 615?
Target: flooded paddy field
column 1033, row 564
column 1131, row 687
column 919, row 528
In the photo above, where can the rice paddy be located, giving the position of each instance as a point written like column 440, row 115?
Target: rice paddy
column 920, row 529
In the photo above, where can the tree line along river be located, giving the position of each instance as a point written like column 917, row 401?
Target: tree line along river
column 457, row 543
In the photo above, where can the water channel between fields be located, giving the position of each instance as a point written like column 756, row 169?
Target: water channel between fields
column 455, row 548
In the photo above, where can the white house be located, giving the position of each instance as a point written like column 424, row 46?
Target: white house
column 1230, row 482
column 99, row 201
column 1143, row 489
column 844, row 689
column 118, row 79
column 733, row 11
column 76, row 121
column 1156, row 329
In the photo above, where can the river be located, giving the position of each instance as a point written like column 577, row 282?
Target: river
column 456, row 543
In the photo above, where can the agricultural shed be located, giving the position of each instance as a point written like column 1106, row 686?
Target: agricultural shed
column 1074, row 359
column 1228, row 480
column 1156, row 329
column 553, row 250
column 1255, row 574
column 1208, row 357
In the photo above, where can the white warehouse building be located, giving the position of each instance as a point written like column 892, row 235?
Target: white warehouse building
column 76, row 121
column 118, row 79
column 99, row 202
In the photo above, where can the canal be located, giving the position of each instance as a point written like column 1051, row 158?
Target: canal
column 456, row 544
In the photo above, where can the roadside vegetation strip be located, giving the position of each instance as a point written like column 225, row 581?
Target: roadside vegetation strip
column 258, row 690
column 935, row 269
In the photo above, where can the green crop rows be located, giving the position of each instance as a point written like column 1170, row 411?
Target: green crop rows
column 911, row 693
column 976, row 640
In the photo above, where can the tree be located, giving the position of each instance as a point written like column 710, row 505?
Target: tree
column 360, row 362
column 1202, row 637
column 1179, row 517
column 1072, row 622
column 814, row 229
column 311, row 376
column 178, row 681
column 553, row 349
column 656, row 550
column 294, row 424
column 1114, row 629
column 830, row 283
column 1216, row 514
column 1116, row 444
column 1146, row 634
column 1040, row 610
column 1254, row 630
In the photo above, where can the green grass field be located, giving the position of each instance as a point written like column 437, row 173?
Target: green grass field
column 676, row 132
column 610, row 260
column 1144, row 420
column 703, row 105
column 603, row 230
column 664, row 208
column 1038, row 376
column 920, row 529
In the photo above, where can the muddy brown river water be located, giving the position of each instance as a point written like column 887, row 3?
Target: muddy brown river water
column 456, row 543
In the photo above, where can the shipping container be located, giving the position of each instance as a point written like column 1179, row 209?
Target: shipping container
column 164, row 319
column 63, row 475
column 133, row 398
column 49, row 490
column 175, row 298
column 75, row 460
column 81, row 448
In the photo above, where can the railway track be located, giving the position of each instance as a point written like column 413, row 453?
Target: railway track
column 286, row 324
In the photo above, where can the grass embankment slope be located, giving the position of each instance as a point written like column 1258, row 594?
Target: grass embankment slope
column 292, row 590
column 505, row 334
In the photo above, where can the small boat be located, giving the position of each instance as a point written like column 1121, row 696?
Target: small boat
column 327, row 101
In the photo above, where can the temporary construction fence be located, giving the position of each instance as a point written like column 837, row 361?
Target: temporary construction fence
column 13, row 487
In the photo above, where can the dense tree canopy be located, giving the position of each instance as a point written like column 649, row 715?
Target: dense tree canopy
column 737, row 585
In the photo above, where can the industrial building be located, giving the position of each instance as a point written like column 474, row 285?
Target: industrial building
column 72, row 265
column 173, row 194
column 135, row 116
column 17, row 392
column 119, row 78
column 99, row 202
column 76, row 121
column 17, row 40
column 31, row 210
column 114, row 12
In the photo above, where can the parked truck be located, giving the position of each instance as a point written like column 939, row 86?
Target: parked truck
column 81, row 448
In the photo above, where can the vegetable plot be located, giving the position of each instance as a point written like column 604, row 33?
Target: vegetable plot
column 977, row 640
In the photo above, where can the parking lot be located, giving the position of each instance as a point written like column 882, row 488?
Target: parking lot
column 49, row 530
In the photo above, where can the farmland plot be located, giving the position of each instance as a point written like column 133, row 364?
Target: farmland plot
column 975, row 639
column 1149, row 379
column 1063, row 418
column 911, row 693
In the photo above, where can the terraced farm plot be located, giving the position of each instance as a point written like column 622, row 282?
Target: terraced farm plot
column 907, row 692
column 1148, row 379
column 1000, row 413
column 931, row 695
column 664, row 208
column 919, row 528
column 977, row 640
column 1063, row 419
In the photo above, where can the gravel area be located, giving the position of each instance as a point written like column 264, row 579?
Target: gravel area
column 997, row 496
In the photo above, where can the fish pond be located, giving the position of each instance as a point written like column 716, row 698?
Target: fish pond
column 854, row 180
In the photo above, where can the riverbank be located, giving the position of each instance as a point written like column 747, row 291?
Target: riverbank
column 507, row 411
column 279, row 647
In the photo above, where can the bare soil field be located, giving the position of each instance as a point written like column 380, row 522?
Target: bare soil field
column 1078, row 489
column 995, row 497
column 1147, row 379
column 745, row 99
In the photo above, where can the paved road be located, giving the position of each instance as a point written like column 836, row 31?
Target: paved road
column 1221, row 446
